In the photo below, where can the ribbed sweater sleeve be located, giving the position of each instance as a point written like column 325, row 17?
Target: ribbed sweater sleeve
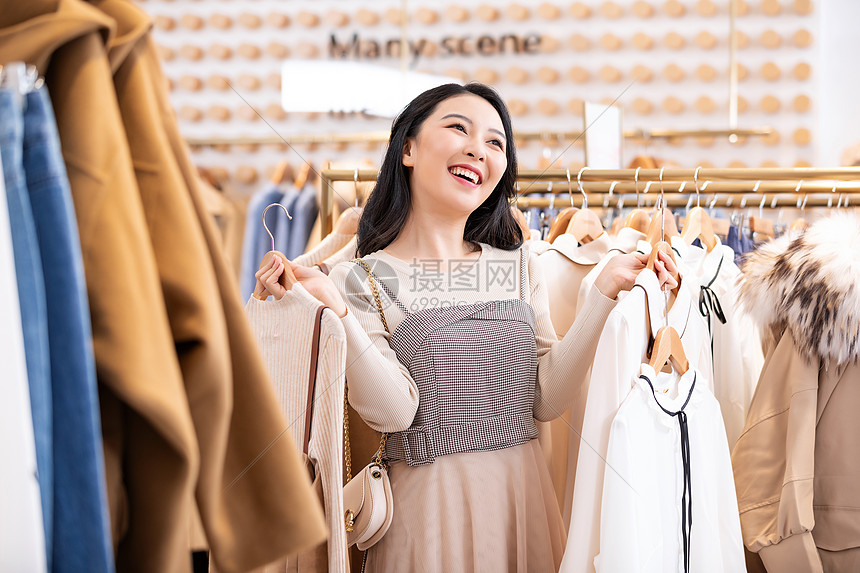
column 563, row 365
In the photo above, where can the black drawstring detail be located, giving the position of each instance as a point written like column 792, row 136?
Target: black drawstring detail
column 708, row 301
column 687, row 495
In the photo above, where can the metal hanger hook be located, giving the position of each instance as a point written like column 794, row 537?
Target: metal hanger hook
column 636, row 184
column 355, row 182
column 696, row 183
column 267, row 227
column 609, row 195
column 569, row 188
column 661, row 180
column 581, row 190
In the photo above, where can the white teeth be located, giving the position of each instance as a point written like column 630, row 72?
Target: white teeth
column 473, row 177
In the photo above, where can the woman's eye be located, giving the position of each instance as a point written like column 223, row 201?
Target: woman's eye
column 459, row 127
column 496, row 142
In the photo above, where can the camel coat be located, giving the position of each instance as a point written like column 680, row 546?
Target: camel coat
column 187, row 407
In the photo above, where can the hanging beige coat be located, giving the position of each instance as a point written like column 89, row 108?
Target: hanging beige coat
column 797, row 462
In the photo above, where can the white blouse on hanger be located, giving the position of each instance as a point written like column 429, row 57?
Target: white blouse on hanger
column 641, row 516
column 620, row 351
column 738, row 357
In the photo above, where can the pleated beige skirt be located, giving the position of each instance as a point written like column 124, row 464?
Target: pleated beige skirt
column 484, row 511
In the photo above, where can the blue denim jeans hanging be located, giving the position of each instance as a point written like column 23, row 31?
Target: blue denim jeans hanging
column 81, row 534
column 31, row 293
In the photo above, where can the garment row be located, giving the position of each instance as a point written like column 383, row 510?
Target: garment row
column 138, row 387
column 616, row 455
column 781, row 338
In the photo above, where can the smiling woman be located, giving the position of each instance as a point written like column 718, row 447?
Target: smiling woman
column 446, row 127
column 450, row 347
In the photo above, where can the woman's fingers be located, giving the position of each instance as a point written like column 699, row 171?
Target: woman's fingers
column 669, row 263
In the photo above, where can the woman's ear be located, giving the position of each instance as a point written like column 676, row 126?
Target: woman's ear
column 407, row 159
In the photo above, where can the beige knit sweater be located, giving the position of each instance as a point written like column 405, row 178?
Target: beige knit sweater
column 284, row 329
column 382, row 390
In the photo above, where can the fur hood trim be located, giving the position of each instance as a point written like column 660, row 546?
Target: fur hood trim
column 810, row 286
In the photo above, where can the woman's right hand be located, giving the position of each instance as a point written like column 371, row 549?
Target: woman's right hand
column 267, row 280
column 315, row 282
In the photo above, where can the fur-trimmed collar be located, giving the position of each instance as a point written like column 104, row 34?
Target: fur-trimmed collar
column 810, row 286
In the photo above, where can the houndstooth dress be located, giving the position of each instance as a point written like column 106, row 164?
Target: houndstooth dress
column 471, row 488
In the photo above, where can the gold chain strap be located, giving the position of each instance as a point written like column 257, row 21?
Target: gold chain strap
column 347, row 449
column 375, row 292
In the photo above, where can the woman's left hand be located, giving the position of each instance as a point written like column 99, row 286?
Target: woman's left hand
column 666, row 271
column 621, row 271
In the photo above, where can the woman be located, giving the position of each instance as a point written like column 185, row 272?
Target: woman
column 472, row 359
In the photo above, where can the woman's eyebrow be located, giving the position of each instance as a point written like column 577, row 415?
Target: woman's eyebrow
column 469, row 121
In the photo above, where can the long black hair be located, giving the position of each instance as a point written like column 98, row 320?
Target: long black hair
column 388, row 205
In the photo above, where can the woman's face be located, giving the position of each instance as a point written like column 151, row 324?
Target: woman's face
column 458, row 156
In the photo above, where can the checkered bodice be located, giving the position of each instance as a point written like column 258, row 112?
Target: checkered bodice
column 475, row 366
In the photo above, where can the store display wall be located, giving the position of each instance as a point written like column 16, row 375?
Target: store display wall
column 665, row 63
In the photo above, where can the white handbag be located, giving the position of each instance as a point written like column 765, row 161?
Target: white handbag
column 367, row 501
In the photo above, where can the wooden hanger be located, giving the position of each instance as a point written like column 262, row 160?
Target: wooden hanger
column 283, row 172
column 657, row 231
column 520, row 218
column 347, row 223
column 656, row 248
column 302, row 176
column 698, row 225
column 584, row 225
column 799, row 225
column 287, row 278
column 559, row 225
column 562, row 219
column 652, row 260
column 638, row 218
column 698, row 222
column 668, row 348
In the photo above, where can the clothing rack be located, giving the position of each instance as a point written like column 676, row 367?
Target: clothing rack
column 745, row 188
column 545, row 136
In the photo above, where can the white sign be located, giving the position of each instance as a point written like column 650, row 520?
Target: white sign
column 322, row 86
column 603, row 136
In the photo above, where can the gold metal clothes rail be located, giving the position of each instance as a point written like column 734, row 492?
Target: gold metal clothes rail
column 546, row 136
column 765, row 187
column 716, row 200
